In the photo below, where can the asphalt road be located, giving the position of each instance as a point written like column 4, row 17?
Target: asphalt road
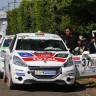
column 81, row 89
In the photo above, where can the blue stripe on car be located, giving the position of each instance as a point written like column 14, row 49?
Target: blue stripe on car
column 25, row 54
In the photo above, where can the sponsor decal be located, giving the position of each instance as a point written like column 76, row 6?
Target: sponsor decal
column 25, row 54
column 43, row 59
column 20, row 74
column 76, row 58
column 40, row 57
column 71, row 74
column 77, row 62
column 45, row 72
column 44, row 54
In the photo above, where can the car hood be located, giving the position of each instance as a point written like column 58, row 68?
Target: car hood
column 39, row 58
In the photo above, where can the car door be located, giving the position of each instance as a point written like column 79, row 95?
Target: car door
column 8, row 55
column 85, row 65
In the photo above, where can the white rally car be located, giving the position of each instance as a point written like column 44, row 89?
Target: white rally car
column 3, row 48
column 38, row 57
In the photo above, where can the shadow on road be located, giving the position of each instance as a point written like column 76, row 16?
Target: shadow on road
column 51, row 87
column 54, row 87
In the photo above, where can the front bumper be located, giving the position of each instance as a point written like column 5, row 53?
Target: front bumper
column 25, row 75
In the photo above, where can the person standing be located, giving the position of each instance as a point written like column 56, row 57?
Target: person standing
column 72, row 41
column 91, row 46
column 57, row 32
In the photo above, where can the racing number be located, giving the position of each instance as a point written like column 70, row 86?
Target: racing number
column 84, row 62
column 87, row 62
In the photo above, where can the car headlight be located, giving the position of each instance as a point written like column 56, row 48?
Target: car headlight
column 69, row 62
column 18, row 61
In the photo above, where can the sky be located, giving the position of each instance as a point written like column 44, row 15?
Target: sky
column 4, row 4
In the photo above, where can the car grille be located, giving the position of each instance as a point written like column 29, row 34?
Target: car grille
column 56, row 69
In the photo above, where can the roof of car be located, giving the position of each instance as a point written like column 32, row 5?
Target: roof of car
column 20, row 34
column 8, row 36
column 39, row 34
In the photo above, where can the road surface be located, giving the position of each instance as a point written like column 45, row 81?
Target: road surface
column 81, row 89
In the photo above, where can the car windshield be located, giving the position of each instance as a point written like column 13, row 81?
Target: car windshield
column 40, row 45
column 7, row 42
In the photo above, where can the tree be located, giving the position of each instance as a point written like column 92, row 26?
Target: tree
column 48, row 15
column 12, row 21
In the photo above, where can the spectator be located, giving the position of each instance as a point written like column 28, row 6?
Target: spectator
column 57, row 32
column 84, row 43
column 91, row 47
column 71, row 40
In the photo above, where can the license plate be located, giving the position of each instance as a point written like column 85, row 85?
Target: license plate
column 45, row 72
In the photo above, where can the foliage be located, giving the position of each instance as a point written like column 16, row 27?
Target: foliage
column 48, row 15
column 12, row 21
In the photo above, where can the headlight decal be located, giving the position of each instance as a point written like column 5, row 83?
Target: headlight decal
column 18, row 61
column 69, row 62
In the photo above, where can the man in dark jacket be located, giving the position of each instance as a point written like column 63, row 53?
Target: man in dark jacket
column 71, row 40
